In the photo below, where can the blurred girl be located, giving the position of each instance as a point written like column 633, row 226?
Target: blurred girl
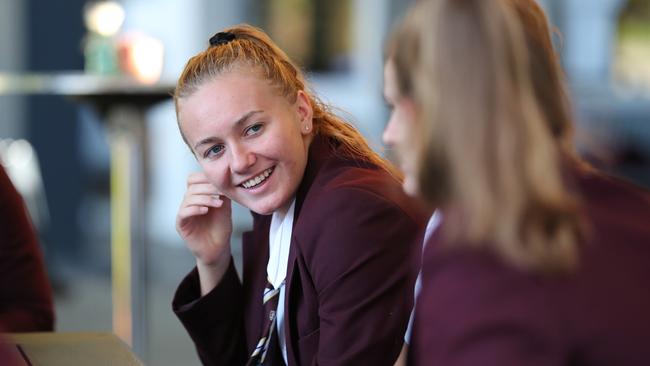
column 539, row 260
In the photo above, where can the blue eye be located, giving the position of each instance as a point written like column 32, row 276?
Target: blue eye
column 254, row 129
column 213, row 151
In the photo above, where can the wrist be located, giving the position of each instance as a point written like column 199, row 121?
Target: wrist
column 212, row 257
column 211, row 274
column 223, row 260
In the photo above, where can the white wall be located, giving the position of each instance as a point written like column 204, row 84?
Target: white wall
column 590, row 31
column 184, row 27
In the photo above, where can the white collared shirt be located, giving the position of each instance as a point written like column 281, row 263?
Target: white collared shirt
column 276, row 269
column 432, row 225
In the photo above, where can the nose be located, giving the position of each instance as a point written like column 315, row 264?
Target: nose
column 241, row 158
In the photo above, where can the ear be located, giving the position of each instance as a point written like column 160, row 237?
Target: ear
column 305, row 112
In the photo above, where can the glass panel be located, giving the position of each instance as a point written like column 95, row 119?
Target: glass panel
column 631, row 66
column 316, row 34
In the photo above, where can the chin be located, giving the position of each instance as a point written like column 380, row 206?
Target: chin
column 262, row 212
column 260, row 209
column 264, row 208
column 410, row 187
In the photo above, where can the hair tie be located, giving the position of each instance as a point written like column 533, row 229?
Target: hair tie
column 221, row 38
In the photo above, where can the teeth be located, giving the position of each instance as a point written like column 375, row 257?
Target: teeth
column 257, row 180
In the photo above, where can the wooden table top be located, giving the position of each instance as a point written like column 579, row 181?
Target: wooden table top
column 59, row 349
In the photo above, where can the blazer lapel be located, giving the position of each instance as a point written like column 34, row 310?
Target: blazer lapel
column 255, row 252
column 319, row 151
column 289, row 318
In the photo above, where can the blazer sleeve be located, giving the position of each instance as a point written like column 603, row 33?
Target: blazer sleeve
column 474, row 311
column 363, row 266
column 25, row 294
column 215, row 322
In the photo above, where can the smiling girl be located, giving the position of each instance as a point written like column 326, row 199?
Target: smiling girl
column 326, row 276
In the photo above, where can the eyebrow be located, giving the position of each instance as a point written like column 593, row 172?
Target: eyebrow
column 239, row 122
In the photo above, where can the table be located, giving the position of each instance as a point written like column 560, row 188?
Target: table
column 122, row 103
column 65, row 349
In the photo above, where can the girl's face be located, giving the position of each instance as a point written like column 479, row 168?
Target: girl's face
column 251, row 142
column 401, row 128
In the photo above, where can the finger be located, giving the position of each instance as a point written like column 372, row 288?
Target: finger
column 203, row 188
column 187, row 214
column 197, row 177
column 226, row 200
column 191, row 211
column 202, row 200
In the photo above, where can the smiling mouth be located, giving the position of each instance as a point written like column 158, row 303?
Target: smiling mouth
column 257, row 180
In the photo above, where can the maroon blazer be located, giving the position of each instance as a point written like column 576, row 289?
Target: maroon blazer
column 352, row 266
column 474, row 310
column 25, row 293
column 10, row 355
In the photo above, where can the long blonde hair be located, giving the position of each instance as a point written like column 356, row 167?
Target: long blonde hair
column 252, row 48
column 495, row 129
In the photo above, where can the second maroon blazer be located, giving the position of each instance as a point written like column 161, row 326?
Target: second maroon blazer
column 476, row 310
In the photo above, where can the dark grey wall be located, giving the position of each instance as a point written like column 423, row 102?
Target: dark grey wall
column 54, row 30
column 12, row 46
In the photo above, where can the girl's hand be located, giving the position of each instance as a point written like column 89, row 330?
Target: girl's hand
column 204, row 221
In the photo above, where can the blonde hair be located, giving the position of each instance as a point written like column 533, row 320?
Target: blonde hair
column 495, row 127
column 254, row 49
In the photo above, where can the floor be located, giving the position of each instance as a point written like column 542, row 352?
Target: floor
column 83, row 303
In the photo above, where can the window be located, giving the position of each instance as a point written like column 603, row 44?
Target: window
column 314, row 33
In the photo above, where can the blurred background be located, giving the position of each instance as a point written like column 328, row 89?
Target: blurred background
column 57, row 150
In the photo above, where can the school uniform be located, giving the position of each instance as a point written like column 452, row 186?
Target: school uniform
column 26, row 303
column 351, row 266
column 476, row 310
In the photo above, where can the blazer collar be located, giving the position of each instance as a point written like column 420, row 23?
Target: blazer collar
column 319, row 152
